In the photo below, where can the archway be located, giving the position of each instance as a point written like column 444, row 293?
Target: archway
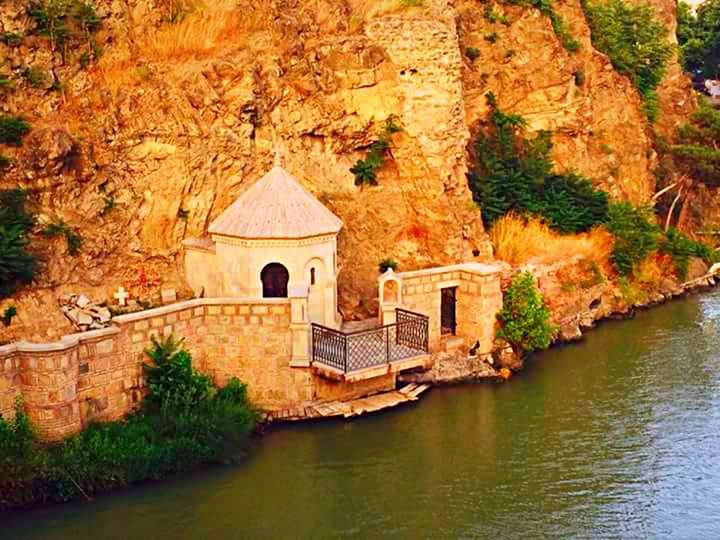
column 275, row 279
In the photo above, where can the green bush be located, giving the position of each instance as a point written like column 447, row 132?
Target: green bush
column 65, row 22
column 365, row 170
column 11, row 39
column 5, row 162
column 179, row 432
column 698, row 34
column 635, row 232
column 514, row 173
column 386, row 264
column 13, row 129
column 525, row 318
column 697, row 148
column 8, row 315
column 558, row 24
column 681, row 248
column 60, row 228
column 35, row 77
column 636, row 42
column 17, row 265
column 473, row 53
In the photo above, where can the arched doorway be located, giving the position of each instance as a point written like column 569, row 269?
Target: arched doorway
column 275, row 279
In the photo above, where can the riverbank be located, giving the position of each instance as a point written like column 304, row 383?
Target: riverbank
column 568, row 449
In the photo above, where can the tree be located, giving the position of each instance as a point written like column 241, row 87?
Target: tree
column 699, row 38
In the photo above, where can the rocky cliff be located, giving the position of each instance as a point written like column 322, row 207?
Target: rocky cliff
column 182, row 111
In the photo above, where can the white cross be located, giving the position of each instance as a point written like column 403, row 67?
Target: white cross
column 122, row 295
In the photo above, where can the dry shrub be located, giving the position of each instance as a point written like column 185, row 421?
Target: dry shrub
column 203, row 31
column 365, row 10
column 518, row 240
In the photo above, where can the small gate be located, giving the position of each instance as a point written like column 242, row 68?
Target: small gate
column 448, row 302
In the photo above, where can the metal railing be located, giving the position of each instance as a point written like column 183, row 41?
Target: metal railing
column 353, row 351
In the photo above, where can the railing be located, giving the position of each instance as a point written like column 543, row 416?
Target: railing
column 348, row 352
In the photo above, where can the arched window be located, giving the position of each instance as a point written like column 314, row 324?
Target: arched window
column 275, row 279
column 312, row 276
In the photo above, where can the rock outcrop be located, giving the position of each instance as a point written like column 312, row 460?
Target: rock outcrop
column 152, row 142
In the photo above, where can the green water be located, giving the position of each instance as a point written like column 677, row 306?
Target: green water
column 618, row 436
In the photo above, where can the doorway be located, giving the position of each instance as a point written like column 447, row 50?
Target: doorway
column 448, row 301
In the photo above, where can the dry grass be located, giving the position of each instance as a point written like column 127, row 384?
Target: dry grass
column 518, row 240
column 365, row 10
column 652, row 271
column 203, row 31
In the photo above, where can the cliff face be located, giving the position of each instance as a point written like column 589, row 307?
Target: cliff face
column 177, row 119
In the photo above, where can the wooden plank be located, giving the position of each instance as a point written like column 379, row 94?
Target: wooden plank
column 408, row 388
column 419, row 390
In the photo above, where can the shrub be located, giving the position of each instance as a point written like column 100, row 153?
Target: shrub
column 13, row 129
column 12, row 39
column 60, row 228
column 171, row 374
column 697, row 149
column 579, row 76
column 181, row 431
column 5, row 82
column 473, row 53
column 698, row 34
column 513, row 173
column 64, row 22
column 35, row 77
column 8, row 315
column 365, row 170
column 635, row 232
column 680, row 248
column 5, row 162
column 636, row 43
column 17, row 265
column 558, row 24
column 386, row 264
column 524, row 317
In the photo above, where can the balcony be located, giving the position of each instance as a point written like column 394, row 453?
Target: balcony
column 370, row 353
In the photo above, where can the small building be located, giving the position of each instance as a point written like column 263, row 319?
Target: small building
column 274, row 239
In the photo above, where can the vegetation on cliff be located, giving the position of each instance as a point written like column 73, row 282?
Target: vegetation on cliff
column 697, row 148
column 17, row 264
column 514, row 173
column 636, row 42
column 186, row 421
column 699, row 37
column 525, row 319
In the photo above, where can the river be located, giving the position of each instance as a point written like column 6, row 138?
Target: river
column 616, row 436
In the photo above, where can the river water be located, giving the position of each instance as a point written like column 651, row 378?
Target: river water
column 617, row 436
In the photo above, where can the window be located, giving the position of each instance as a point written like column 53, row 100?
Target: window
column 275, row 279
column 312, row 276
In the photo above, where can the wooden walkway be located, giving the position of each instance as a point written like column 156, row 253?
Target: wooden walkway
column 348, row 409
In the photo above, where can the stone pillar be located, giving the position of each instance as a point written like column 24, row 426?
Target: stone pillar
column 299, row 326
column 389, row 288
column 49, row 377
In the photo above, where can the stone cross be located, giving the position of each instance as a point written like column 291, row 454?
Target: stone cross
column 122, row 295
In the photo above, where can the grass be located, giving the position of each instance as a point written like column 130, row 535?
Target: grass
column 518, row 240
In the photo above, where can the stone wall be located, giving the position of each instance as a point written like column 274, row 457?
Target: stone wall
column 98, row 375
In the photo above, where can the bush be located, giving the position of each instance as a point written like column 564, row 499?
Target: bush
column 17, row 265
column 8, row 315
column 35, row 77
column 524, row 317
column 699, row 38
column 636, row 42
column 386, row 264
column 60, row 228
column 558, row 24
column 11, row 39
column 680, row 248
column 513, row 173
column 13, row 129
column 365, row 170
column 473, row 53
column 636, row 234
column 180, row 431
column 697, row 149
column 64, row 22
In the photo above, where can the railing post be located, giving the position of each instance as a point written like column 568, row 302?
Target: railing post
column 387, row 344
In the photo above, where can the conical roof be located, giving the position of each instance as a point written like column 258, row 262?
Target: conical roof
column 276, row 206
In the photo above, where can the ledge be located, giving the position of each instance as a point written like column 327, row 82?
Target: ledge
column 473, row 267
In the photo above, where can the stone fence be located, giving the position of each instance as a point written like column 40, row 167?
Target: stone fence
column 98, row 375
